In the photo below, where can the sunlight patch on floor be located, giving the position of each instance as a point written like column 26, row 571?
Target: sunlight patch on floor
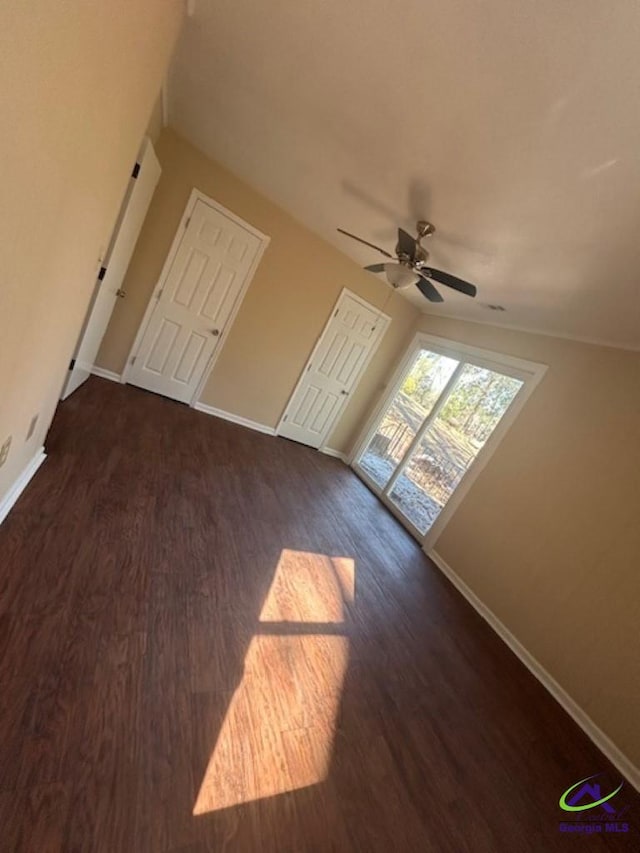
column 309, row 588
column 277, row 735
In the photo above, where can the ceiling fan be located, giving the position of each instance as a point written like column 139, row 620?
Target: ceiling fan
column 409, row 265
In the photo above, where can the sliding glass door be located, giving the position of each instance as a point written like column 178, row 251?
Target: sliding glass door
column 444, row 410
column 403, row 417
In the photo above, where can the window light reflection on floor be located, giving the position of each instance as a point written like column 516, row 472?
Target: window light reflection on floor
column 278, row 732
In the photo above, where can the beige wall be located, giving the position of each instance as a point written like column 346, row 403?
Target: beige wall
column 286, row 306
column 548, row 537
column 154, row 127
column 78, row 83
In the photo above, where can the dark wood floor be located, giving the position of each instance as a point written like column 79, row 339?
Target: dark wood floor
column 215, row 640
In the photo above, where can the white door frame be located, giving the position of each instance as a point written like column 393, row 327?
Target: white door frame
column 384, row 323
column 196, row 196
column 529, row 372
column 133, row 211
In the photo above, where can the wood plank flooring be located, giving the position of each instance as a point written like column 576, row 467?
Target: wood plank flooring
column 214, row 640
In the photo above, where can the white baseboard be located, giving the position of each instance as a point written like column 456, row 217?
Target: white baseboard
column 599, row 738
column 235, row 419
column 105, row 374
column 337, row 454
column 21, row 483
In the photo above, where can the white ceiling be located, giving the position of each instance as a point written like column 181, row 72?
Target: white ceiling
column 513, row 125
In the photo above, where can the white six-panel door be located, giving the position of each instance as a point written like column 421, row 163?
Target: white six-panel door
column 199, row 292
column 348, row 341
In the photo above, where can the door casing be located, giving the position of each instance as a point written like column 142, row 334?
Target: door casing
column 197, row 195
column 133, row 212
column 384, row 323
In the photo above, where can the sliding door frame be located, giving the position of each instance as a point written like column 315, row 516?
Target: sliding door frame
column 528, row 372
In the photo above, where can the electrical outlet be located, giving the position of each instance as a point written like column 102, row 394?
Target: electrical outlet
column 32, row 427
column 4, row 451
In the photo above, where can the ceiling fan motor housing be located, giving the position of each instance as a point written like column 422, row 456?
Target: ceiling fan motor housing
column 419, row 259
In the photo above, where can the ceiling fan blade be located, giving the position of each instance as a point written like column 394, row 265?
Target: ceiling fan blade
column 366, row 243
column 427, row 289
column 375, row 268
column 406, row 244
column 450, row 280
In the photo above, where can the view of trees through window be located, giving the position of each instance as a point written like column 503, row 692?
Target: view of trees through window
column 478, row 401
column 419, row 460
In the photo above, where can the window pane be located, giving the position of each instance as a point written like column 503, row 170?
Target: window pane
column 451, row 443
column 421, row 388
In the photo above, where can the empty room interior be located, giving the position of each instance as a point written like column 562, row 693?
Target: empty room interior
column 319, row 426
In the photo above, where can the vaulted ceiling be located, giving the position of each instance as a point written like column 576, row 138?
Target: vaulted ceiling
column 513, row 125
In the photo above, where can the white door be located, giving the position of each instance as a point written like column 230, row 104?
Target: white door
column 134, row 208
column 347, row 343
column 205, row 276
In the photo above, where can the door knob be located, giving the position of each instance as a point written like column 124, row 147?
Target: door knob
column 344, row 392
column 215, row 332
column 121, row 293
